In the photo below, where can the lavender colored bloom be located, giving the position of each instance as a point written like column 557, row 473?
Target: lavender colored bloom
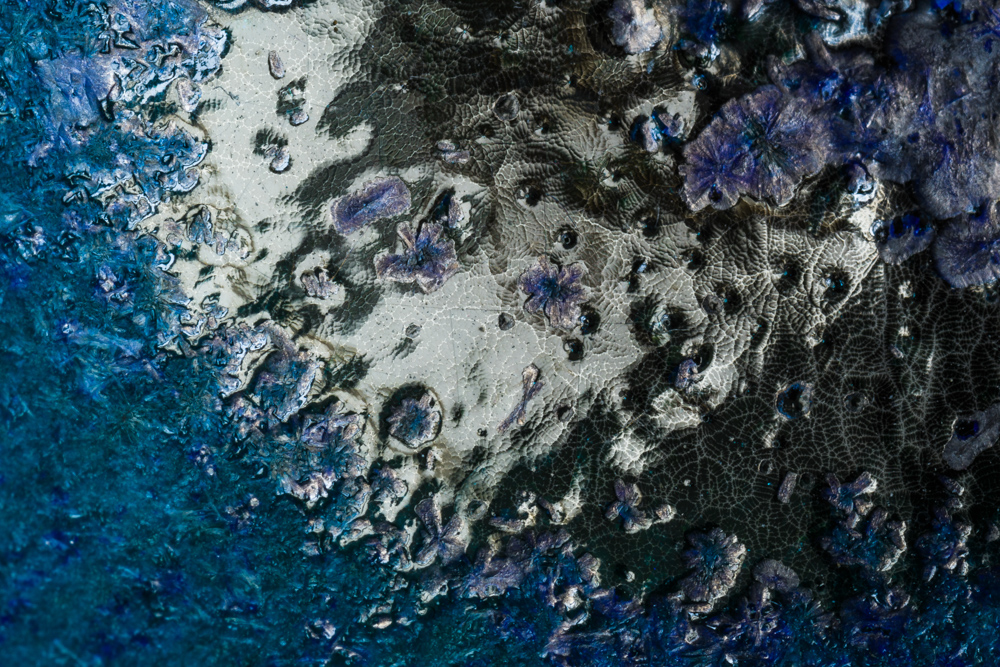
column 228, row 349
column 555, row 290
column 493, row 575
column 426, row 260
column 776, row 575
column 762, row 145
column 200, row 226
column 756, row 632
column 850, row 498
column 715, row 559
column 670, row 127
column 633, row 27
column 416, row 422
column 447, row 543
column 387, row 486
column 388, row 546
column 665, row 512
column 877, row 622
column 335, row 429
column 784, row 142
column 282, row 385
column 506, row 525
column 348, row 463
column 944, row 135
column 715, row 172
column 615, row 606
column 381, row 198
column 627, row 508
column 281, row 158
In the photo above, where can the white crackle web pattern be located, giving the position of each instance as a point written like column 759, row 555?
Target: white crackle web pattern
column 761, row 298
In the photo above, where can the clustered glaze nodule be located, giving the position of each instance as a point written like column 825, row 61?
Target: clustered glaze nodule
column 550, row 340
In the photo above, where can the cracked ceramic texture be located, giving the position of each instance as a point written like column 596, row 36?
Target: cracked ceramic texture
column 516, row 205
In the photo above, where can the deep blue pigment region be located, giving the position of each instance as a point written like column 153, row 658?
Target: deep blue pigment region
column 188, row 483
